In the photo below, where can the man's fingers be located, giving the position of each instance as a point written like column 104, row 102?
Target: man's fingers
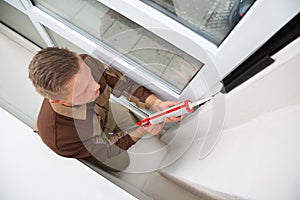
column 158, row 128
column 174, row 119
column 171, row 103
column 154, row 129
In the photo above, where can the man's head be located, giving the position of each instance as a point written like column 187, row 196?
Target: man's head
column 62, row 77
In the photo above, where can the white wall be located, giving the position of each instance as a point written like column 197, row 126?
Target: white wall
column 29, row 170
column 257, row 153
column 17, row 94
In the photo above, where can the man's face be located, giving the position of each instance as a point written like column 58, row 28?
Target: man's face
column 83, row 88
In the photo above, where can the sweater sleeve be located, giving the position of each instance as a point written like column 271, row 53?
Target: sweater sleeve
column 134, row 92
column 101, row 152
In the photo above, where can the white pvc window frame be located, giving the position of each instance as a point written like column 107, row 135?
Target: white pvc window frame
column 248, row 35
column 101, row 51
column 263, row 20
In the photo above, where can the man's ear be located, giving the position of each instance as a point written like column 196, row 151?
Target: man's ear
column 56, row 101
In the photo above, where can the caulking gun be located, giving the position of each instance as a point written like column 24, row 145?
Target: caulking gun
column 177, row 110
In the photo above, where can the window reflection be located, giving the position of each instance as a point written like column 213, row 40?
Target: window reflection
column 140, row 45
column 211, row 18
column 62, row 42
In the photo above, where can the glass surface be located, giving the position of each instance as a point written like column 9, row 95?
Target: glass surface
column 211, row 18
column 140, row 45
column 62, row 42
column 19, row 22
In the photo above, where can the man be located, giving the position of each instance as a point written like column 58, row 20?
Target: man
column 76, row 119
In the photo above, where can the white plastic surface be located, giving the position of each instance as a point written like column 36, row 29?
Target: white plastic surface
column 29, row 170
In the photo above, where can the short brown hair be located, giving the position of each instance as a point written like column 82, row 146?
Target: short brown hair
column 51, row 70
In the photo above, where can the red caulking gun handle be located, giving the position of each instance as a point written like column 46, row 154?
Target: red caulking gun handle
column 144, row 122
column 176, row 111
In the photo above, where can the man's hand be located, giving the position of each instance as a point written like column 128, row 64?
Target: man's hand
column 154, row 129
column 161, row 105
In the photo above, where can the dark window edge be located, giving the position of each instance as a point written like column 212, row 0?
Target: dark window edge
column 262, row 57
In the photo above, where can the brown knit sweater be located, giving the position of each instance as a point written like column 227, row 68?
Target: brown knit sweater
column 70, row 131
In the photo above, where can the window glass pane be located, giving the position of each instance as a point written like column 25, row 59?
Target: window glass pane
column 62, row 42
column 143, row 47
column 211, row 18
column 19, row 22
